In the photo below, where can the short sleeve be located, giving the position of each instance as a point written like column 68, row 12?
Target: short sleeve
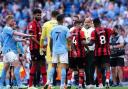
column 110, row 31
column 82, row 35
column 9, row 31
column 93, row 35
column 31, row 28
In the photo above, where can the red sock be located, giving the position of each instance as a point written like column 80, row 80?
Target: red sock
column 69, row 74
column 99, row 77
column 108, row 75
column 81, row 77
column 44, row 74
column 32, row 72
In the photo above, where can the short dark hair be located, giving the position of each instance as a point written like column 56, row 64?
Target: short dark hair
column 76, row 16
column 54, row 13
column 78, row 22
column 36, row 11
column 119, row 27
column 116, row 26
column 96, row 22
column 60, row 17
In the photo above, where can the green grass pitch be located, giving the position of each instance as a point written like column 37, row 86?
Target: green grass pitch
column 93, row 88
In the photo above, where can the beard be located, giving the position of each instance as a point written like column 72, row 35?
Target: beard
column 38, row 19
column 87, row 26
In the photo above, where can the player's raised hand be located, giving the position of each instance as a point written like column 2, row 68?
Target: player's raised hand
column 43, row 50
column 29, row 36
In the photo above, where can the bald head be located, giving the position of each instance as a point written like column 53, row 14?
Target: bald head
column 88, row 21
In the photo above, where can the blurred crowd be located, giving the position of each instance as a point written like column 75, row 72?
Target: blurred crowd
column 111, row 11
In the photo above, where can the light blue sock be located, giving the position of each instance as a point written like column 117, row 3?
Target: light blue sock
column 14, row 82
column 17, row 75
column 7, row 81
column 63, row 76
column 3, row 77
column 50, row 75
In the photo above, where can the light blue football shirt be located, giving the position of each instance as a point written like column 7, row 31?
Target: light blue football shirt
column 8, row 41
column 1, row 41
column 59, row 35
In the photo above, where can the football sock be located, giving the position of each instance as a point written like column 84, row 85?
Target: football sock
column 44, row 74
column 32, row 73
column 17, row 75
column 108, row 75
column 50, row 75
column 81, row 77
column 99, row 77
column 69, row 76
column 63, row 76
column 3, row 76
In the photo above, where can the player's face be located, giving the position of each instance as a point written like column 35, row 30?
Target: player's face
column 79, row 25
column 38, row 16
column 12, row 22
column 88, row 23
column 74, row 19
column 115, row 31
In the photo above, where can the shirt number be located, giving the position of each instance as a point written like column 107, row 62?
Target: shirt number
column 58, row 33
column 74, row 40
column 102, row 39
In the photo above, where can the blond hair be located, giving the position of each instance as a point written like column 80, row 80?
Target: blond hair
column 9, row 17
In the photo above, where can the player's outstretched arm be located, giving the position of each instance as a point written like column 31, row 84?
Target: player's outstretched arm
column 20, row 39
column 21, row 34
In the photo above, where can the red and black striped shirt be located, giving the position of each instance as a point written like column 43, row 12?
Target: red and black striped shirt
column 77, row 38
column 101, row 37
column 34, row 28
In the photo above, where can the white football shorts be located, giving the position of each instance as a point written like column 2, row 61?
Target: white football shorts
column 62, row 58
column 10, row 57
